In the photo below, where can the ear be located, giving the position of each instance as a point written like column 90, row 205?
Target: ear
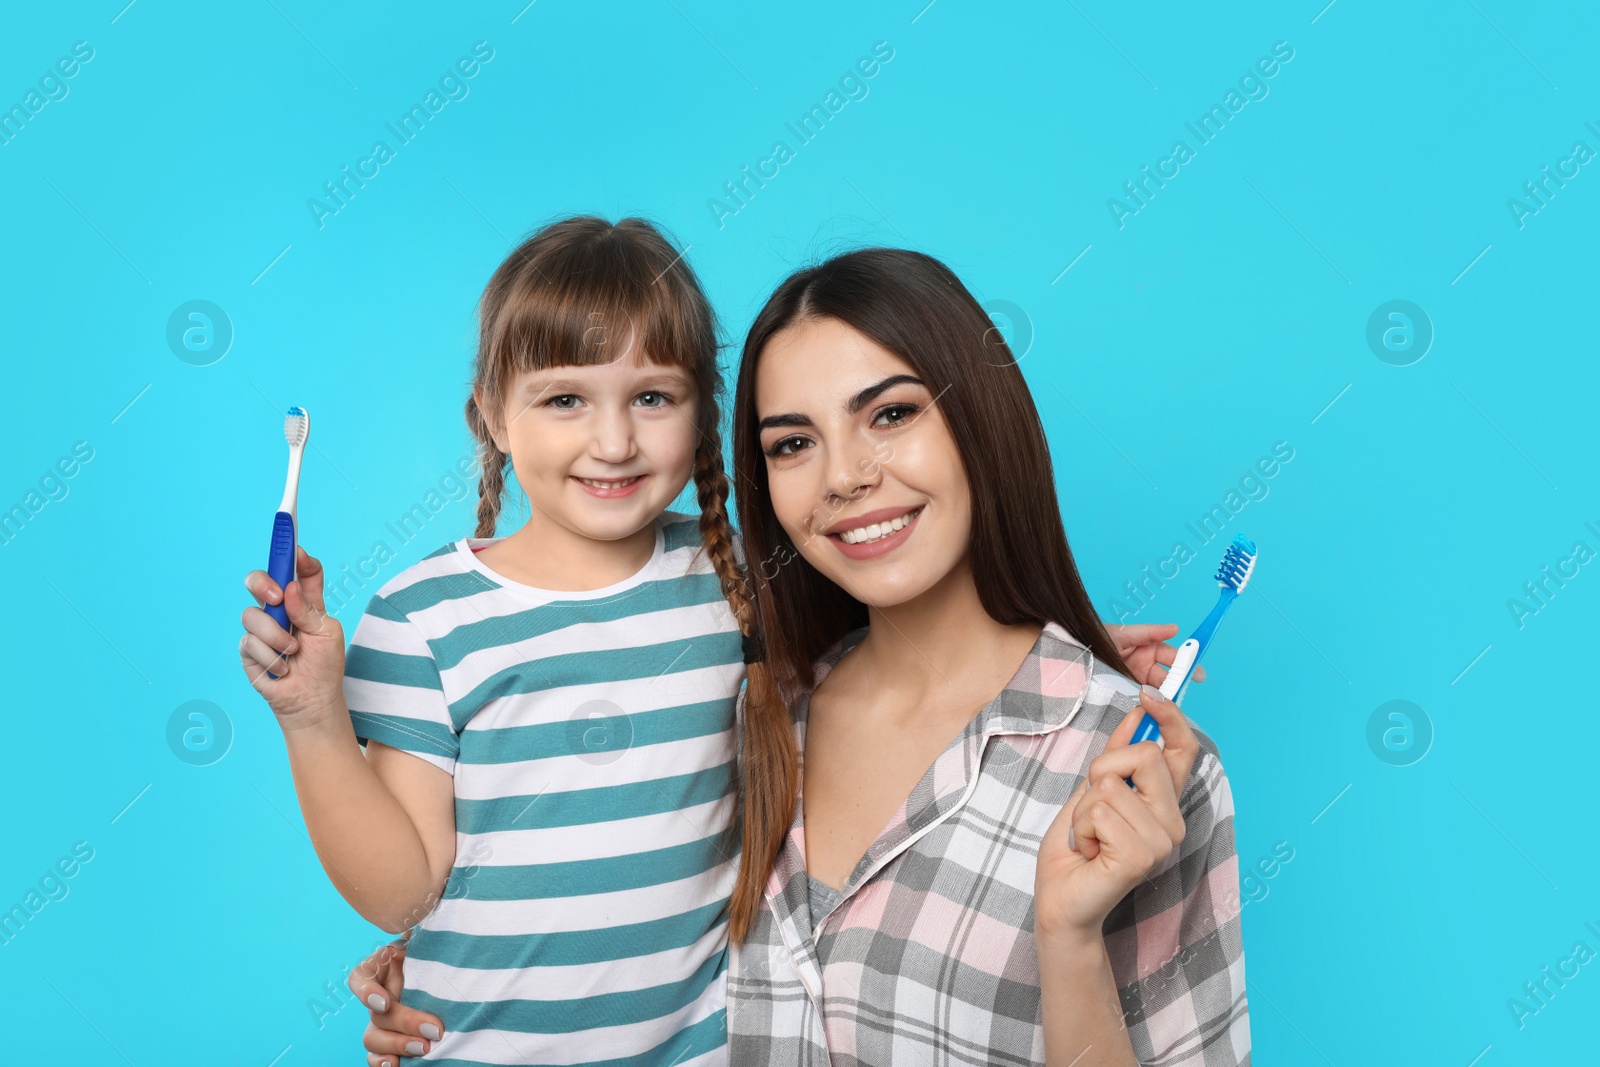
column 491, row 419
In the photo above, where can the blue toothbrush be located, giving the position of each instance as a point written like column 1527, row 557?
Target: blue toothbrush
column 280, row 557
column 1237, row 564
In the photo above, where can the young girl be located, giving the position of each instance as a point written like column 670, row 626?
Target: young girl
column 548, row 788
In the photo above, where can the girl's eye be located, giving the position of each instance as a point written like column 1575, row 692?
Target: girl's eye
column 787, row 446
column 895, row 415
column 564, row 402
column 653, row 400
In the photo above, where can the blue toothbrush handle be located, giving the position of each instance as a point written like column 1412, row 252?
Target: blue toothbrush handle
column 1183, row 664
column 1148, row 729
column 280, row 567
column 1237, row 563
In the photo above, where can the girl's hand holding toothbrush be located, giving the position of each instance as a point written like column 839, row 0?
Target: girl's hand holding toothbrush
column 309, row 664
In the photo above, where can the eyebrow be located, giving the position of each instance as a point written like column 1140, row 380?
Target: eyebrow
column 559, row 386
column 857, row 402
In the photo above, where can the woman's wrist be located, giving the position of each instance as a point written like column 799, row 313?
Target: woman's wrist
column 1061, row 927
column 1068, row 943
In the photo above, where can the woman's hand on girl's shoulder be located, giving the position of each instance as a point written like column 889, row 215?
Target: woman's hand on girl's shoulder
column 1108, row 838
column 309, row 664
column 394, row 1030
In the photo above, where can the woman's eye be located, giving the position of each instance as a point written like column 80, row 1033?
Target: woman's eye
column 787, row 446
column 653, row 400
column 895, row 414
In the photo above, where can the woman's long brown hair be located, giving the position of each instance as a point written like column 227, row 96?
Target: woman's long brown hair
column 914, row 306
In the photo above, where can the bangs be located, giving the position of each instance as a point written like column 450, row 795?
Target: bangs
column 588, row 302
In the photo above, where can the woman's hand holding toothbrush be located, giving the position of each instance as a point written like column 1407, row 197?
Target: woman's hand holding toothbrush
column 1107, row 838
column 309, row 687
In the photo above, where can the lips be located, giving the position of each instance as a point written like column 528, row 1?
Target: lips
column 876, row 533
column 863, row 533
column 611, row 488
column 618, row 483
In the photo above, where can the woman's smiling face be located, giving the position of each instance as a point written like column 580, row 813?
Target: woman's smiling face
column 863, row 472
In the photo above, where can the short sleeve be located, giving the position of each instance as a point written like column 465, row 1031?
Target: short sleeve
column 393, row 689
column 1175, row 942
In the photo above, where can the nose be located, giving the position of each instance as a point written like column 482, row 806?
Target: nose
column 853, row 469
column 614, row 441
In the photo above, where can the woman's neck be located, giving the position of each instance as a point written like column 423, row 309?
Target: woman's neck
column 943, row 647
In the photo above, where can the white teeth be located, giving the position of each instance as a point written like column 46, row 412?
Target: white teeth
column 878, row 530
column 609, row 485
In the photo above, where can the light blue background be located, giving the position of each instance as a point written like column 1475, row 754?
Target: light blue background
column 1228, row 314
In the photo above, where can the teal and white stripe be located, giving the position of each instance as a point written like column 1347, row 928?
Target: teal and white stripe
column 591, row 738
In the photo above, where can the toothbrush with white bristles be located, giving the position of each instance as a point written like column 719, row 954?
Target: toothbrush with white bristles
column 1238, row 562
column 280, row 558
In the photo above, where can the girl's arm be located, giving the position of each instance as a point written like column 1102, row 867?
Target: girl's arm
column 383, row 822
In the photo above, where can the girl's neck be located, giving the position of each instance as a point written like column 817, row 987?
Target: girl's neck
column 547, row 555
column 943, row 645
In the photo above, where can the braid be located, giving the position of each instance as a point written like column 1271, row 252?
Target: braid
column 712, row 487
column 769, row 764
column 492, row 481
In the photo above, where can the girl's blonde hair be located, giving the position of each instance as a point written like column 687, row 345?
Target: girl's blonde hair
column 575, row 293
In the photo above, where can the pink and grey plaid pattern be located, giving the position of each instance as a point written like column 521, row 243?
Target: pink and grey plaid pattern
column 929, row 957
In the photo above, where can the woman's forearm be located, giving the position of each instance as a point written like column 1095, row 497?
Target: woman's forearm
column 1083, row 1023
column 367, row 843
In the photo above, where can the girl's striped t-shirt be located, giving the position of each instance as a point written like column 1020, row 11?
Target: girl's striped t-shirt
column 591, row 738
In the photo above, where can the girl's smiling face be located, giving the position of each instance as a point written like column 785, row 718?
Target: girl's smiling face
column 863, row 472
column 600, row 450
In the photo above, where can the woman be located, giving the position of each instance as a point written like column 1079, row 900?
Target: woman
column 956, row 871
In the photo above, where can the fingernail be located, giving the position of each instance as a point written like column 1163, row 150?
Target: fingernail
column 377, row 1002
column 429, row 1031
column 413, row 1048
column 291, row 648
column 1152, row 692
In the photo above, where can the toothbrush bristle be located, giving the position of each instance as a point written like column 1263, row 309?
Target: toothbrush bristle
column 296, row 426
column 1237, row 564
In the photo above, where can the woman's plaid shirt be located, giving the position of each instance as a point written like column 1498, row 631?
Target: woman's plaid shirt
column 928, row 959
